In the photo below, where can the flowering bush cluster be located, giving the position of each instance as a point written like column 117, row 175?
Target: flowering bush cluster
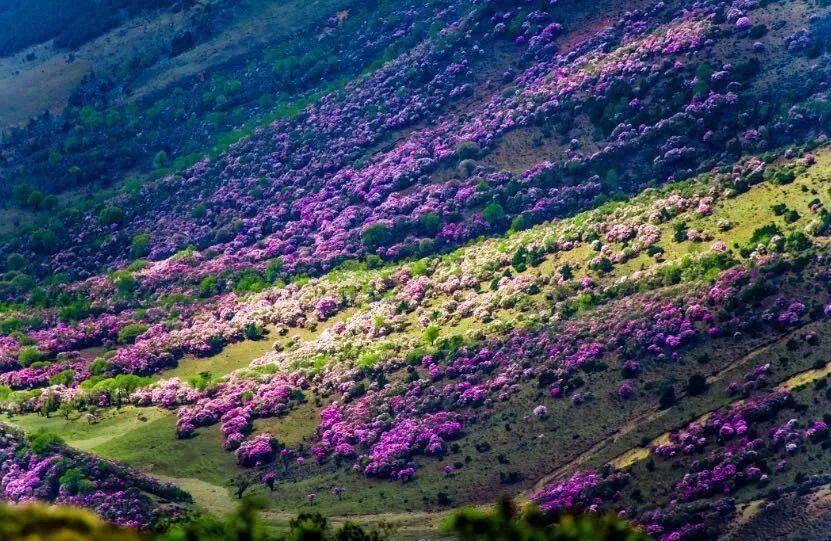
column 56, row 474
column 472, row 378
column 583, row 492
column 333, row 204
column 257, row 451
column 235, row 403
column 390, row 447
column 729, row 454
column 723, row 426
column 337, row 203
column 382, row 429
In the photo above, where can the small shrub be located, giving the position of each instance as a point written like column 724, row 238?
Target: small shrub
column 274, row 270
column 198, row 211
column 696, row 385
column 493, row 213
column 129, row 333
column 420, row 268
column 667, row 399
column 764, row 234
column 791, row 216
column 679, row 231
column 467, row 150
column 249, row 281
column 124, row 282
column 140, row 246
column 521, row 223
column 75, row 482
column 367, row 360
column 75, row 310
column 431, row 333
column 99, row 367
column 111, row 215
column 64, row 377
column 208, row 287
column 137, row 265
column 161, row 159
column 254, row 331
column 15, row 262
column 201, row 381
column 30, row 355
column 44, row 241
column 603, row 265
column 375, row 235
column 783, row 177
column 519, row 258
column 43, row 441
column 429, row 223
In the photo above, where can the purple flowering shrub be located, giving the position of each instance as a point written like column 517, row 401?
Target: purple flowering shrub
column 257, row 451
column 60, row 475
column 331, row 201
column 388, row 424
column 391, row 447
column 586, row 491
column 711, row 461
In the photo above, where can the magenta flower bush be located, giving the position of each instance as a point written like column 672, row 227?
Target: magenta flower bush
column 257, row 451
column 118, row 494
column 715, row 463
column 584, row 492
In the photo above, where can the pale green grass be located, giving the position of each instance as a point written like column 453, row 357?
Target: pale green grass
column 155, row 449
column 232, row 357
column 27, row 88
column 296, row 428
column 78, row 432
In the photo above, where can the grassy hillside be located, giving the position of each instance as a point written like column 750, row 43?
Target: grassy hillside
column 389, row 259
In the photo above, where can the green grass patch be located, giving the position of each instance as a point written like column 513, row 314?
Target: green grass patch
column 155, row 449
column 78, row 432
column 232, row 357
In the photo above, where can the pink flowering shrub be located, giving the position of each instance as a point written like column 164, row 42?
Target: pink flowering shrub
column 257, row 451
column 118, row 494
column 325, row 308
column 586, row 491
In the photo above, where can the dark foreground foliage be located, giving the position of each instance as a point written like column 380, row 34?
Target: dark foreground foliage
column 505, row 522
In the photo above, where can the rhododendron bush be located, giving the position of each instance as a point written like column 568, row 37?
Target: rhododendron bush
column 67, row 477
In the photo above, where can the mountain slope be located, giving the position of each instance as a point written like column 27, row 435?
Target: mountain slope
column 423, row 254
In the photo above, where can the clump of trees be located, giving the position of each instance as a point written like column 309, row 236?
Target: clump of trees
column 30, row 198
